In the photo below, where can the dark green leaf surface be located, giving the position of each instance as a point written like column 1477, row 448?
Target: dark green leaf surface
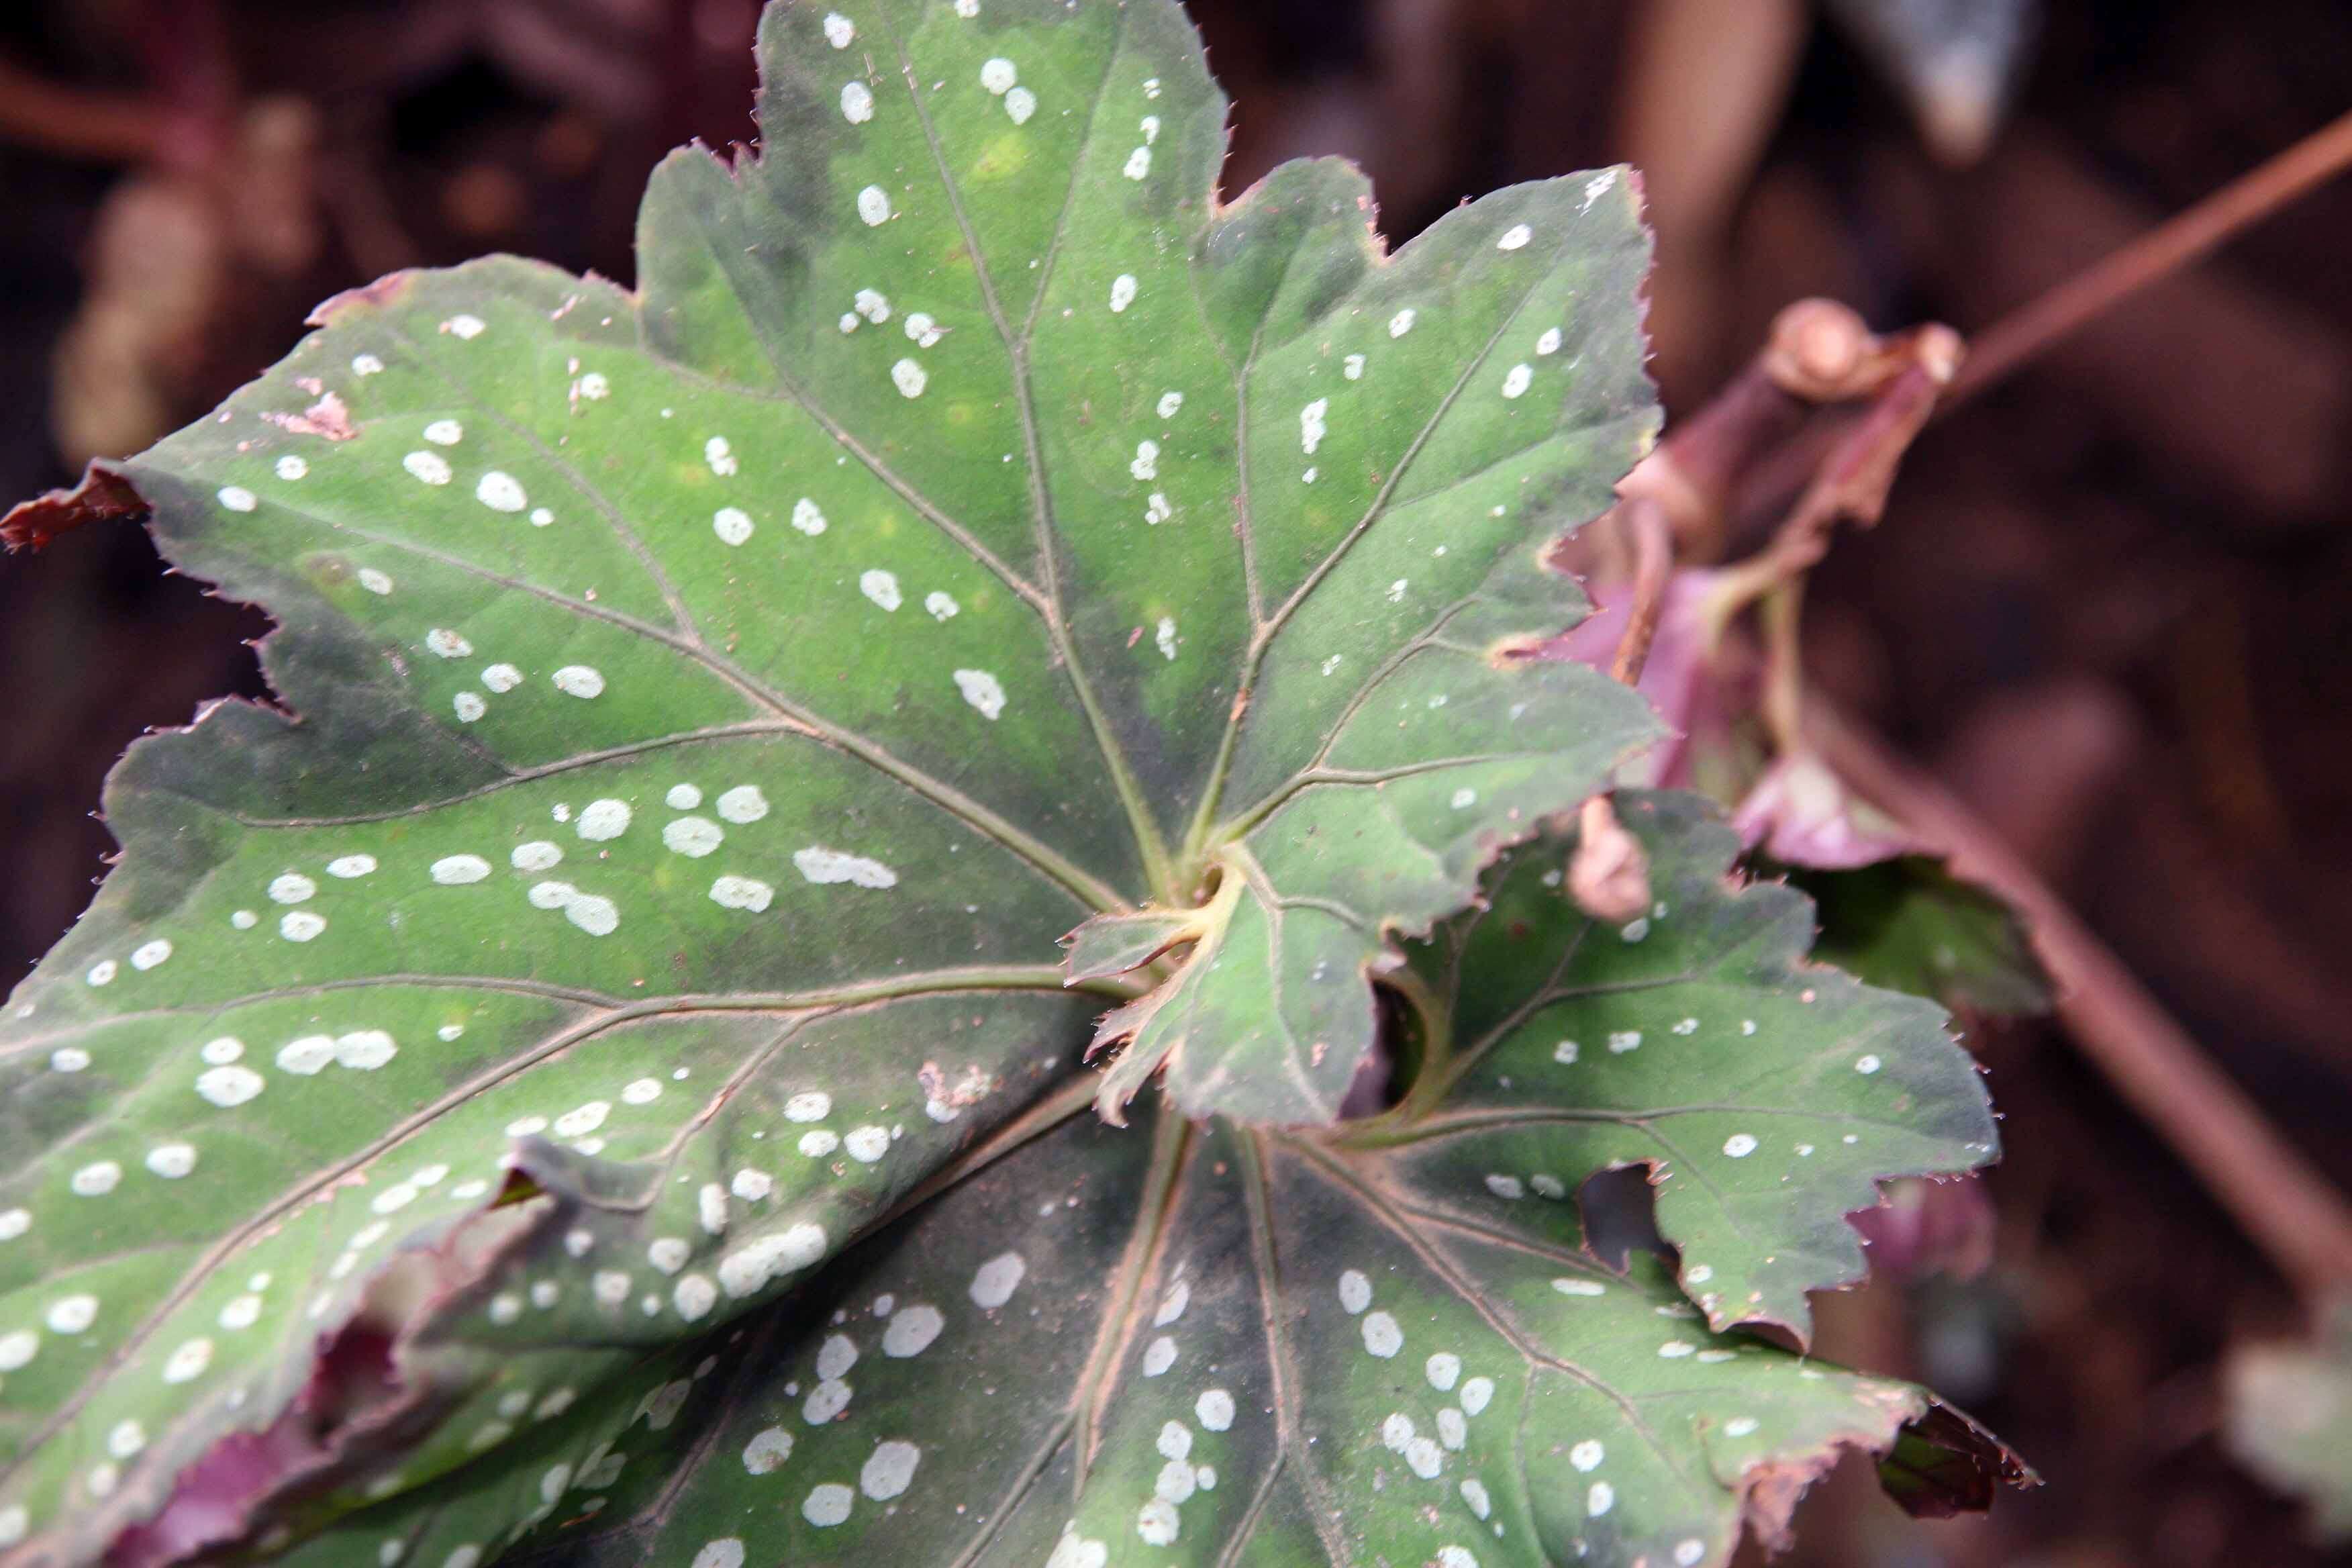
column 709, row 706
column 1197, row 1343
column 1910, row 925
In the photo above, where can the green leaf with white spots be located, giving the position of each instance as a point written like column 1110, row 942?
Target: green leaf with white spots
column 709, row 706
column 1766, row 1095
column 1200, row 1342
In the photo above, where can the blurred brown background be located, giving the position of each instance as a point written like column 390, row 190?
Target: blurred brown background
column 2106, row 605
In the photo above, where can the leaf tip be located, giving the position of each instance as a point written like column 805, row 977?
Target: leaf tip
column 385, row 290
column 102, row 496
column 1942, row 1463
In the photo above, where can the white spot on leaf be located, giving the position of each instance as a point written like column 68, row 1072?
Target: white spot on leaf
column 229, row 1086
column 366, row 1050
column 767, row 1450
column 911, row 1331
column 881, row 587
column 1157, row 1523
column 693, row 836
column 1311, row 424
column 742, row 893
column 983, row 690
column 306, row 1055
column 889, row 1470
column 187, row 1363
column 825, row 867
column 997, row 1278
column 96, row 1179
column 743, row 804
column 596, row 915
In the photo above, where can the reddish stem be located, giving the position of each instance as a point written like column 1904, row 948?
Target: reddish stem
column 2244, row 201
column 2283, row 1203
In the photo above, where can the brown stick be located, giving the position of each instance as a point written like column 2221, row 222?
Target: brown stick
column 1654, row 563
column 2283, row 1203
column 79, row 123
column 2244, row 201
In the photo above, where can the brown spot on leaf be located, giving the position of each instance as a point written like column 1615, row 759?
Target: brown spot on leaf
column 968, row 1089
column 327, row 419
column 385, row 291
column 1770, row 1492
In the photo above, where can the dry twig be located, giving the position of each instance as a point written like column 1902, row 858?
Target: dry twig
column 2171, row 245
